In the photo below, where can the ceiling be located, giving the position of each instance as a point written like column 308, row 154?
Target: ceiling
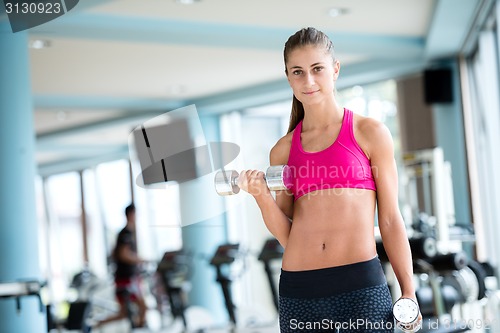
column 112, row 64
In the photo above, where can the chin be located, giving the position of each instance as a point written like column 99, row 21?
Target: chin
column 313, row 101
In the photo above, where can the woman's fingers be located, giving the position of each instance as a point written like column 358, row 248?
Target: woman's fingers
column 252, row 181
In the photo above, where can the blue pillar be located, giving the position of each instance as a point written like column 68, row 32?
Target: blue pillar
column 204, row 235
column 18, row 225
column 450, row 135
column 203, row 238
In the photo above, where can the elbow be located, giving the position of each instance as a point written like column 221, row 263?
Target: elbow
column 282, row 239
column 283, row 242
column 383, row 224
column 391, row 224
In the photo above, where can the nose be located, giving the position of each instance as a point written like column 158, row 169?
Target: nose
column 309, row 80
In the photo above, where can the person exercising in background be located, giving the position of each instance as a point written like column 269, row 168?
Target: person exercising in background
column 344, row 169
column 127, row 280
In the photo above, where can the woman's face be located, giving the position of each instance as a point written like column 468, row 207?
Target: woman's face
column 312, row 73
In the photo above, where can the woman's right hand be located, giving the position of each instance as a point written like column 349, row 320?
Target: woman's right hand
column 253, row 182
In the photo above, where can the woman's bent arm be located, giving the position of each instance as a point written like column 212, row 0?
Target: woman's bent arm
column 277, row 213
column 276, row 221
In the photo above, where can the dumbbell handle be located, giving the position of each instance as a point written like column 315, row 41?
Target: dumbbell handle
column 233, row 183
column 237, row 179
column 278, row 177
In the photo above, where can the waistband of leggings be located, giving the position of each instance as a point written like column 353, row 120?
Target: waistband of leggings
column 331, row 281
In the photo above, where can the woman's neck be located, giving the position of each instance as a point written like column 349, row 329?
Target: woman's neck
column 322, row 114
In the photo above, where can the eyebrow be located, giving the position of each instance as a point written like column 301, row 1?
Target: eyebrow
column 315, row 64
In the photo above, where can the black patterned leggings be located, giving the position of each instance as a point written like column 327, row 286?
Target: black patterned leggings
column 344, row 299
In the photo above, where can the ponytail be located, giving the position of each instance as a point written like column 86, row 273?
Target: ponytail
column 296, row 115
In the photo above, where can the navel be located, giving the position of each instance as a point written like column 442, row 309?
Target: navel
column 324, row 246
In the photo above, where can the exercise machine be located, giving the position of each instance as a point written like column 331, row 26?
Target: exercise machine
column 174, row 272
column 224, row 256
column 451, row 285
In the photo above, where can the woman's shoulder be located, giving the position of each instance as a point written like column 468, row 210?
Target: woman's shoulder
column 370, row 133
column 369, row 127
column 280, row 151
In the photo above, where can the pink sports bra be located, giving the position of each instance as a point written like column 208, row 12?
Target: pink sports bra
column 342, row 165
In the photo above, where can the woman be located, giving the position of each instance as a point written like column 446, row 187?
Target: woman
column 344, row 167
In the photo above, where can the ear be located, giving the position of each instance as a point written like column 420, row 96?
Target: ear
column 336, row 70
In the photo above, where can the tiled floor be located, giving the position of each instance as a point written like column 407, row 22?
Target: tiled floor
column 198, row 322
column 124, row 328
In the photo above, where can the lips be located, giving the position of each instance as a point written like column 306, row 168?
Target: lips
column 310, row 92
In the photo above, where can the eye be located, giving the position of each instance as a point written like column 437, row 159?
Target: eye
column 318, row 68
column 297, row 72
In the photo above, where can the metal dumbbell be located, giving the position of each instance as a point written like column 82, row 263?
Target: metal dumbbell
column 278, row 177
column 406, row 313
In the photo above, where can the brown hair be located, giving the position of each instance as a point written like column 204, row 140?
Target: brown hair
column 304, row 37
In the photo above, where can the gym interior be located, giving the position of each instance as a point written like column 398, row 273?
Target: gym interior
column 205, row 80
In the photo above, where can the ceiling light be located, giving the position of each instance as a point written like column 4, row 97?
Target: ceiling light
column 336, row 11
column 39, row 44
column 176, row 89
column 187, row 2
